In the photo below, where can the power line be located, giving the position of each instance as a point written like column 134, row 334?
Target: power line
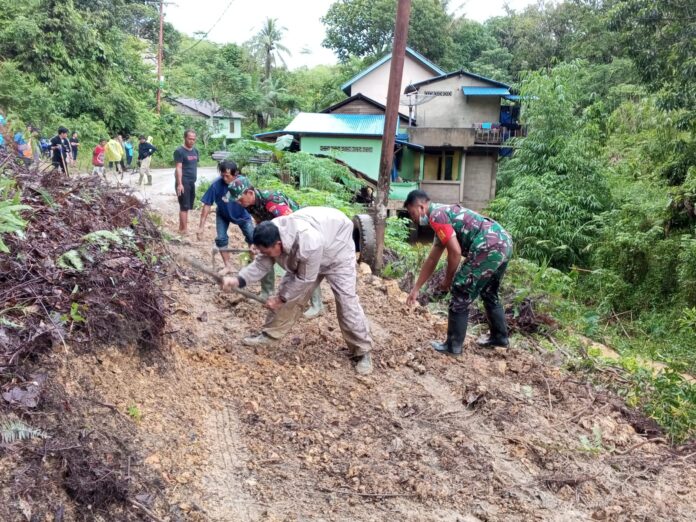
column 224, row 12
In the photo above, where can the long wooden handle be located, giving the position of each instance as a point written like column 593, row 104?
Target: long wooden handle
column 232, row 250
column 207, row 271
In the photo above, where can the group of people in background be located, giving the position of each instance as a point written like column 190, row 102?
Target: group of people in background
column 116, row 156
column 113, row 155
column 63, row 151
column 30, row 147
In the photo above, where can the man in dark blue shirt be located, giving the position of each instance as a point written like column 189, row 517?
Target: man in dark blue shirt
column 227, row 211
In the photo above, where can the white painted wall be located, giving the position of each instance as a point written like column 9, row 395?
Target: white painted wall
column 375, row 84
column 457, row 110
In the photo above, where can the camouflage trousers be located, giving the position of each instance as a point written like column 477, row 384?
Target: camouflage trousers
column 483, row 269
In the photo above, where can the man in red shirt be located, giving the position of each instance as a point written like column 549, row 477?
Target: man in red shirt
column 98, row 158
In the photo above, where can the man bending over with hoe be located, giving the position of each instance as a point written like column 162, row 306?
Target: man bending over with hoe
column 487, row 247
column 310, row 244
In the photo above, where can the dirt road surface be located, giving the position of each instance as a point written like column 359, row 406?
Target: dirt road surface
column 162, row 181
column 291, row 433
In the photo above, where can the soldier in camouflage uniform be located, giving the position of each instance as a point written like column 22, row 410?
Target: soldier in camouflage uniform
column 264, row 205
column 487, row 247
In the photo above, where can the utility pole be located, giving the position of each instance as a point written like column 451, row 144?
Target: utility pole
column 159, row 56
column 391, row 116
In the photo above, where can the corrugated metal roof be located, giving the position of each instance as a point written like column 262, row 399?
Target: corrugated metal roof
column 207, row 108
column 342, row 124
column 417, row 56
column 485, row 91
column 410, row 145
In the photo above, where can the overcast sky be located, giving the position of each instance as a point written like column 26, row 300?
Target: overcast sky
column 301, row 18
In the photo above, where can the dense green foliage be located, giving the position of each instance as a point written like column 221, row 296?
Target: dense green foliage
column 552, row 189
column 366, row 27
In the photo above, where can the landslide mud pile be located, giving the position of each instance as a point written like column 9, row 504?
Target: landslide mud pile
column 82, row 276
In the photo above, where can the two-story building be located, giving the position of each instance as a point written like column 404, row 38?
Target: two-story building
column 460, row 130
column 221, row 122
column 372, row 81
column 451, row 128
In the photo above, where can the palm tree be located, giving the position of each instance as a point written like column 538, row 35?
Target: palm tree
column 271, row 101
column 266, row 45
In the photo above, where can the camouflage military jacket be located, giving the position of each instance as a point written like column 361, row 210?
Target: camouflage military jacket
column 473, row 230
column 271, row 204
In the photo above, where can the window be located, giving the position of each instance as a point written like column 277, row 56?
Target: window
column 231, row 126
column 445, row 166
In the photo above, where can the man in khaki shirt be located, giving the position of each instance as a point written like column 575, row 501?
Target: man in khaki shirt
column 311, row 244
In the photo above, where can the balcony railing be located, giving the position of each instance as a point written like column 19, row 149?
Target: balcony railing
column 496, row 134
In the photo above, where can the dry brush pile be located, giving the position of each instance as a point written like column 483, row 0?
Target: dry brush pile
column 82, row 275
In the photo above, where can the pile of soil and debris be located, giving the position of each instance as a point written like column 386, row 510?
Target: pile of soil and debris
column 83, row 275
column 290, row 432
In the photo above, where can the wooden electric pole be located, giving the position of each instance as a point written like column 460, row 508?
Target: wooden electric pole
column 391, row 117
column 159, row 56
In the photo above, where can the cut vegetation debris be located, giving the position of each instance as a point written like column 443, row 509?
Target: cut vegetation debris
column 80, row 274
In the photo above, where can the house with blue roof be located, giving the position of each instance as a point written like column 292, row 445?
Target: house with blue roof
column 450, row 129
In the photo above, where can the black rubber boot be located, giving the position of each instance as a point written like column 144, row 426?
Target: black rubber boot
column 498, row 335
column 456, row 333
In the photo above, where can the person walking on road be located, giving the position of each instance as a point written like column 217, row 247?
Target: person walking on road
column 487, row 248
column 122, row 162
column 186, row 161
column 74, row 146
column 98, row 158
column 145, row 152
column 113, row 156
column 311, row 244
column 128, row 150
column 60, row 147
column 227, row 211
column 265, row 205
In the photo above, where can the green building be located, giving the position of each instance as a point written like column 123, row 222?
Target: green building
column 356, row 140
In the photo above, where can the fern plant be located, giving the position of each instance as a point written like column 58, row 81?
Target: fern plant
column 12, row 431
column 103, row 238
column 71, row 260
column 10, row 209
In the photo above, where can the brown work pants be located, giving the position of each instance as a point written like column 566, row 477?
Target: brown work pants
column 349, row 313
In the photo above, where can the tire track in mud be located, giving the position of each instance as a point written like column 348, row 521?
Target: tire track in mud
column 226, row 474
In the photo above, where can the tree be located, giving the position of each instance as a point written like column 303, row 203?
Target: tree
column 267, row 47
column 661, row 39
column 475, row 49
column 552, row 189
column 316, row 88
column 363, row 28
